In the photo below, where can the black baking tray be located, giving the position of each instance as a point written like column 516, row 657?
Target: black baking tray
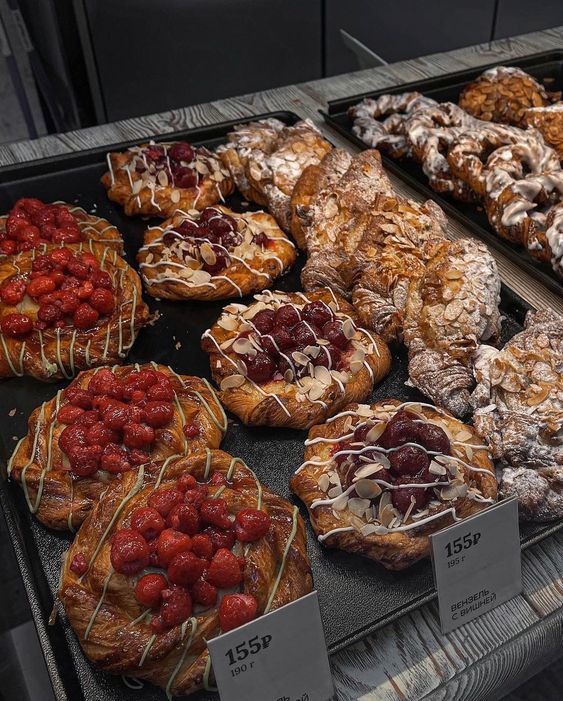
column 356, row 596
column 546, row 67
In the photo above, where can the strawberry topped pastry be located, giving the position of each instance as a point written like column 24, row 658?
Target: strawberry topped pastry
column 378, row 480
column 201, row 552
column 214, row 254
column 158, row 179
column 31, row 223
column 293, row 359
column 106, row 423
column 63, row 309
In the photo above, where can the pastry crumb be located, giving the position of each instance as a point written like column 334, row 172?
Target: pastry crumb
column 178, row 345
column 12, row 412
column 154, row 318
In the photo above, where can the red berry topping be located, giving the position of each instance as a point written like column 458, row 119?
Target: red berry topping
column 191, row 430
column 333, row 332
column 186, row 482
column 147, row 521
column 176, row 606
column 85, row 459
column 433, row 438
column 401, row 498
column 68, row 414
column 115, row 459
column 16, row 325
column 251, row 525
column 202, row 546
column 163, row 500
column 158, row 414
column 400, row 429
column 221, row 538
column 162, row 392
column 260, row 368
column 85, row 317
column 137, row 435
column 102, row 300
column 287, row 316
column 408, row 460
column 185, row 568
column 215, row 513
column 181, row 151
column 12, row 291
column 305, row 334
column 224, row 570
column 264, row 321
column 169, row 544
column 237, row 609
column 79, row 564
column 129, row 552
column 204, row 593
column 184, row 518
column 317, row 313
column 149, row 590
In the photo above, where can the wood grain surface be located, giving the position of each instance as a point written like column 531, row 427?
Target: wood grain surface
column 409, row 659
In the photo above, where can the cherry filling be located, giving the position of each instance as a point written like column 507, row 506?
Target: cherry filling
column 64, row 289
column 31, row 222
column 408, row 464
column 313, row 332
column 113, row 423
column 176, row 163
column 187, row 534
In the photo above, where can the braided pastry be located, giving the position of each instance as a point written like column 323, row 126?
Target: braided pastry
column 387, row 134
column 214, row 254
column 449, row 310
column 502, row 94
column 518, row 405
column 157, row 179
column 144, row 601
column 67, row 309
column 378, row 480
column 106, row 424
column 549, row 122
column 292, row 359
column 266, row 158
column 31, row 223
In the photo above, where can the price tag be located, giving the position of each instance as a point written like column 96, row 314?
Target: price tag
column 278, row 657
column 477, row 564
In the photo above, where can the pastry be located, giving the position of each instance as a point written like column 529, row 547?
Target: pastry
column 214, row 254
column 266, row 158
column 378, row 480
column 519, row 412
column 66, row 309
column 204, row 551
column 107, row 423
column 503, row 94
column 449, row 311
column 158, row 179
column 292, row 359
column 380, row 122
column 549, row 122
column 31, row 222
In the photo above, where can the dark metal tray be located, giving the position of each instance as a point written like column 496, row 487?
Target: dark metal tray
column 547, row 67
column 356, row 595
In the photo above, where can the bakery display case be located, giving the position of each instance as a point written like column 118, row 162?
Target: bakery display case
column 266, row 348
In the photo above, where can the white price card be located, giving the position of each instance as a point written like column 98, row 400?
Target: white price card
column 477, row 564
column 278, row 657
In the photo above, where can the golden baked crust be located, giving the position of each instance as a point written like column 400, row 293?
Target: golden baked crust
column 173, row 265
column 370, row 525
column 266, row 159
column 55, row 354
column 518, row 405
column 280, row 401
column 104, row 613
column 549, row 122
column 61, row 499
column 92, row 227
column 502, row 94
column 147, row 186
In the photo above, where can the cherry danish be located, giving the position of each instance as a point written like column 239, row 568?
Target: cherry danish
column 214, row 254
column 159, row 179
column 107, row 423
column 144, row 602
column 377, row 480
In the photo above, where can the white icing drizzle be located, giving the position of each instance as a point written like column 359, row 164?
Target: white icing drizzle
column 99, row 604
column 289, row 541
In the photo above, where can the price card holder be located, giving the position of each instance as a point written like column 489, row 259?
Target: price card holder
column 278, row 657
column 477, row 564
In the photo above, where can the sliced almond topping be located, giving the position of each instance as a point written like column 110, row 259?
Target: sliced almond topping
column 300, row 358
column 335, row 491
column 227, row 344
column 367, row 489
column 348, row 329
column 207, row 253
column 228, row 323
column 358, row 506
column 288, row 375
column 251, row 312
column 374, row 432
column 453, row 274
column 340, row 504
column 232, row 381
column 463, row 435
column 175, row 196
column 323, row 375
column 162, row 178
column 323, row 482
column 370, row 468
column 242, row 346
column 436, row 469
column 316, row 391
column 312, row 351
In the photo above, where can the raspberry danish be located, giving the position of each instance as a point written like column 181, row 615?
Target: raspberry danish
column 180, row 561
column 157, row 179
column 214, row 254
column 378, row 480
column 31, row 223
column 107, row 423
column 66, row 309
column 292, row 359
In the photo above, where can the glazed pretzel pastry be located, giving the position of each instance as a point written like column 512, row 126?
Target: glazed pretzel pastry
column 549, row 122
column 31, row 222
column 266, row 158
column 380, row 122
column 292, row 359
column 107, row 423
column 519, row 412
column 66, row 309
column 503, row 94
column 450, row 310
column 127, row 617
column 378, row 480
column 157, row 179
column 214, row 254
